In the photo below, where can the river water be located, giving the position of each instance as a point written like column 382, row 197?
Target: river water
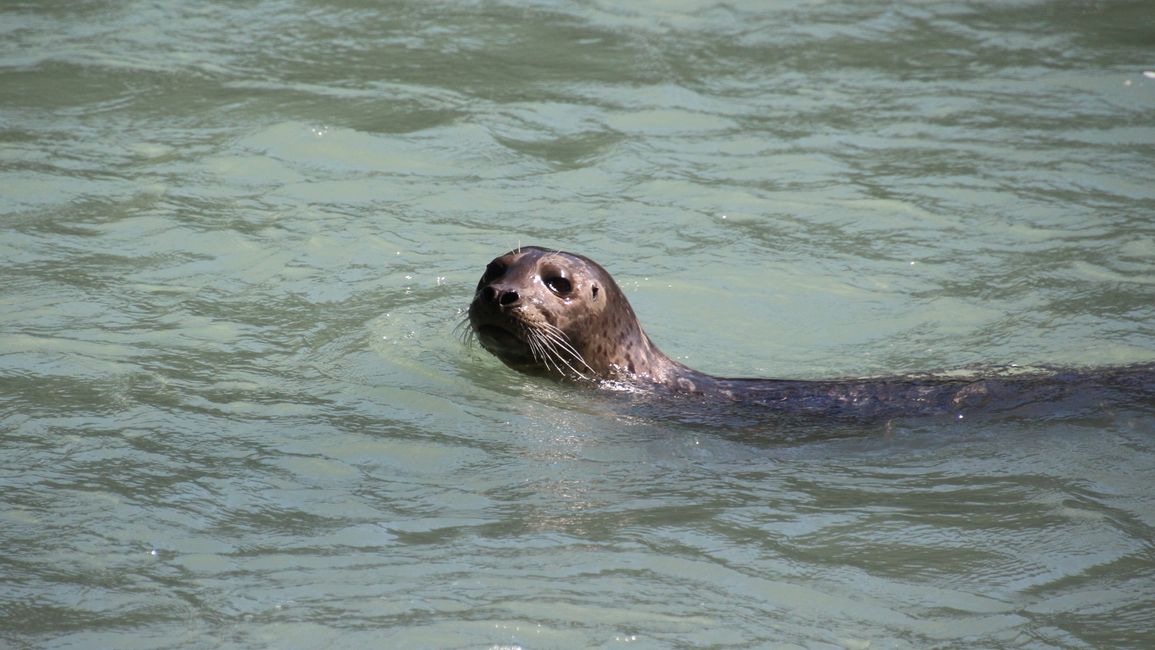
column 237, row 239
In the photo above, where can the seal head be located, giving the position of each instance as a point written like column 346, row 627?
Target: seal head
column 560, row 314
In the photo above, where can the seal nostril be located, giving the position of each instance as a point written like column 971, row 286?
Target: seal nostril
column 489, row 294
column 508, row 298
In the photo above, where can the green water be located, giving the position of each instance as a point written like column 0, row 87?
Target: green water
column 236, row 239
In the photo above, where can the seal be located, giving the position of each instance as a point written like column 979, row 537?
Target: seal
column 561, row 315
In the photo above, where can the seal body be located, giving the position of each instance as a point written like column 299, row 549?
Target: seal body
column 561, row 315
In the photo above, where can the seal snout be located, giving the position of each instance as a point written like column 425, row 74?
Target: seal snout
column 499, row 297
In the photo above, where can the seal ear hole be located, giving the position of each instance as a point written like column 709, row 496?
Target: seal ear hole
column 595, row 292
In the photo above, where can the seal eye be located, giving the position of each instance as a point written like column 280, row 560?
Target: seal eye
column 559, row 285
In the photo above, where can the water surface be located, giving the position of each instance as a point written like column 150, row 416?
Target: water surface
column 237, row 238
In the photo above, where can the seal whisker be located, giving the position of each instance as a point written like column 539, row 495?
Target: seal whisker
column 464, row 331
column 544, row 349
column 536, row 348
column 560, row 339
column 563, row 352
